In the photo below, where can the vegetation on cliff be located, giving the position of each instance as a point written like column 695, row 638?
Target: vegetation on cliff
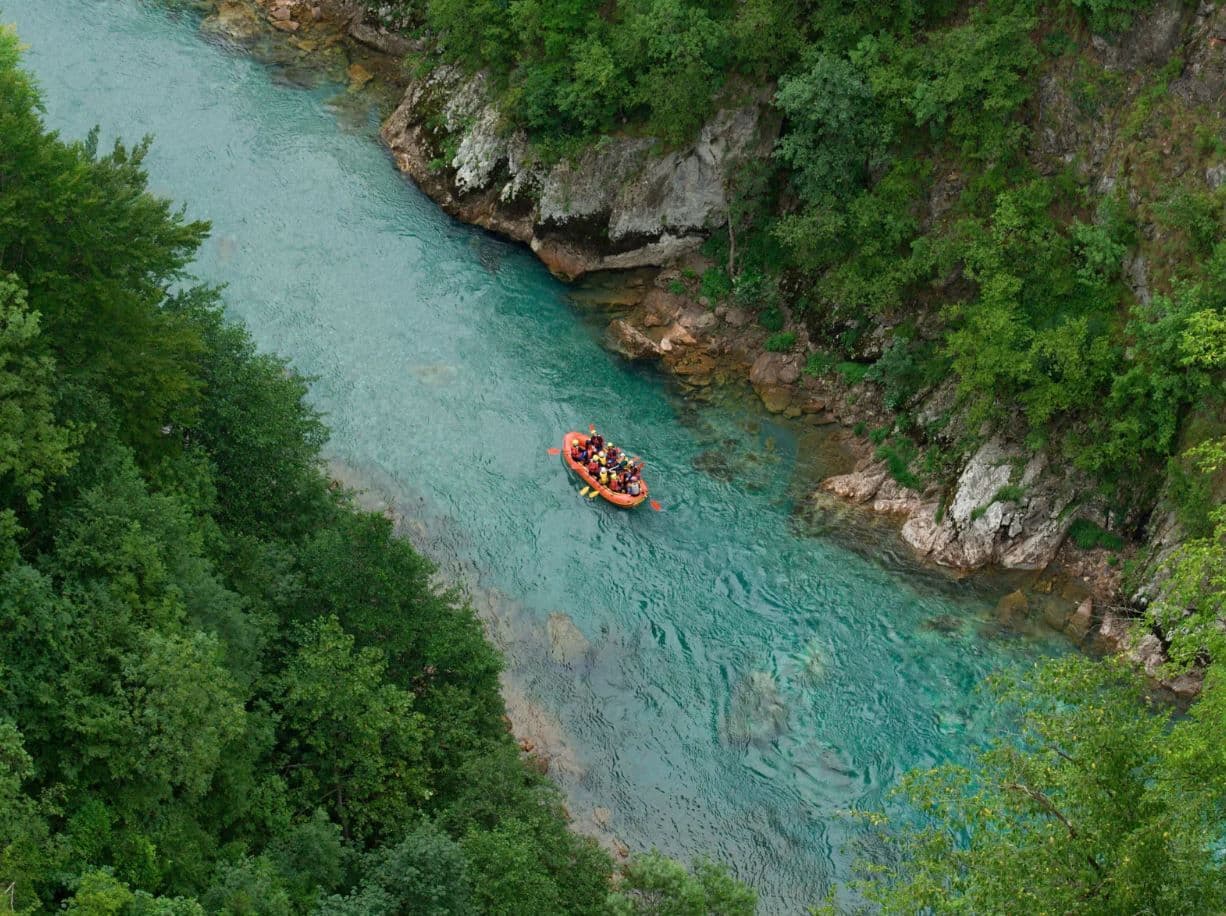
column 223, row 688
column 961, row 190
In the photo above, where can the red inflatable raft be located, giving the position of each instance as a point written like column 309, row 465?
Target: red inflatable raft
column 624, row 500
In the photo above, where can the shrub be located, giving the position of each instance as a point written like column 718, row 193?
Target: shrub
column 772, row 320
column 1010, row 493
column 781, row 342
column 715, row 284
column 756, row 292
column 853, row 373
column 898, row 454
column 819, row 363
column 1089, row 536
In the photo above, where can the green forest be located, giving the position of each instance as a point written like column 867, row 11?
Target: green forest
column 223, row 688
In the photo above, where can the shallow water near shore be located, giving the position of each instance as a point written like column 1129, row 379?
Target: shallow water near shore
column 739, row 680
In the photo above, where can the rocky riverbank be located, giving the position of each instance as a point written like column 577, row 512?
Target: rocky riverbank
column 628, row 203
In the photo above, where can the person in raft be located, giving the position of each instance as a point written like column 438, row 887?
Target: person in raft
column 608, row 464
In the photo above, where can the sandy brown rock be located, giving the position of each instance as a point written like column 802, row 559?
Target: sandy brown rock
column 1078, row 625
column 1013, row 608
column 622, row 337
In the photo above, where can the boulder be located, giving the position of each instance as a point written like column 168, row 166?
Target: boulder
column 677, row 333
column 622, row 337
column 697, row 320
column 1147, row 654
column 772, row 376
column 359, row 76
column 737, row 318
column 774, row 369
column 1186, row 686
column 858, row 486
column 567, row 644
column 775, row 398
column 1113, row 632
column 234, row 20
column 661, row 308
column 694, row 366
column 1056, row 613
column 1078, row 624
column 1012, row 609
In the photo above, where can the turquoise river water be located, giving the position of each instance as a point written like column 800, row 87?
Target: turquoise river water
column 747, row 679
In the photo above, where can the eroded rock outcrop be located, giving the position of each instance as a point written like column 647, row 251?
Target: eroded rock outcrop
column 624, row 203
column 1007, row 509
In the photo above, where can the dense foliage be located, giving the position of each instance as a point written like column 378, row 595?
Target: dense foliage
column 223, row 688
column 1102, row 803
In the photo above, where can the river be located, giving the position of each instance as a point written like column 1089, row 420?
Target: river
column 746, row 680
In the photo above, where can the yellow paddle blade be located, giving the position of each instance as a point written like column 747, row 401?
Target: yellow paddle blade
column 583, row 492
column 593, row 494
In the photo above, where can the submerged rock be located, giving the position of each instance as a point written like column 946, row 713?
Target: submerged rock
column 1012, row 609
column 1078, row 625
column 813, row 662
column 757, row 715
column 567, row 644
column 945, row 623
column 235, row 21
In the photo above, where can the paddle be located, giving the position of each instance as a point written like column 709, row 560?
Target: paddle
column 655, row 505
column 583, row 492
column 555, row 451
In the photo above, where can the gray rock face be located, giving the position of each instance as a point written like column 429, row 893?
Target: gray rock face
column 1152, row 39
column 624, row 203
column 979, row 529
column 1203, row 81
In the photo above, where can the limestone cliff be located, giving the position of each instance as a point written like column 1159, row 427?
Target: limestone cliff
column 625, row 202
